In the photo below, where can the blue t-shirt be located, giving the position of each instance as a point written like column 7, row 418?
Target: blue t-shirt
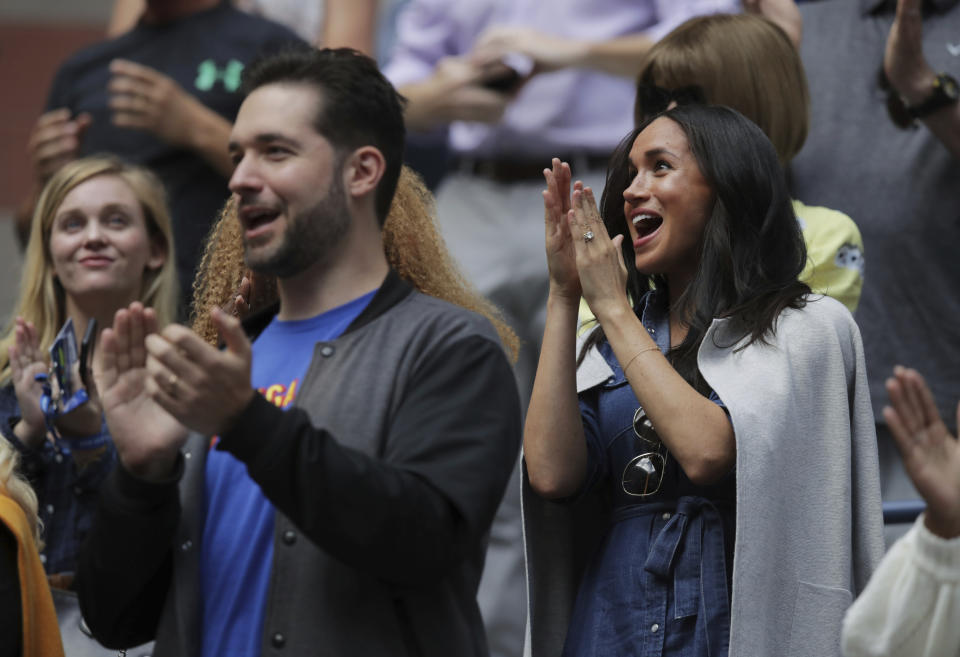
column 237, row 549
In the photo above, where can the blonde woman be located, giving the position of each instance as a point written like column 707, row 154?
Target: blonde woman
column 100, row 238
column 24, row 595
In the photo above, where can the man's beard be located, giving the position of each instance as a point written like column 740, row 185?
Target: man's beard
column 311, row 239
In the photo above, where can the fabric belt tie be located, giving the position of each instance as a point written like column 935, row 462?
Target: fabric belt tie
column 691, row 546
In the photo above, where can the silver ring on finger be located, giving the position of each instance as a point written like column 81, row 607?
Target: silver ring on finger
column 588, row 236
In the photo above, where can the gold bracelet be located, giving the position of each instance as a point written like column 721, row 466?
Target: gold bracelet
column 630, row 362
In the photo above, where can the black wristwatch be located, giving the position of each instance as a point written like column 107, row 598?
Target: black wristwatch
column 945, row 92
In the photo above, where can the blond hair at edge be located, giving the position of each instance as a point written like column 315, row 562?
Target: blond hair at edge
column 412, row 243
column 742, row 61
column 42, row 299
column 14, row 486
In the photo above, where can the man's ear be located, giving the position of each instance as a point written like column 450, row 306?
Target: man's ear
column 363, row 170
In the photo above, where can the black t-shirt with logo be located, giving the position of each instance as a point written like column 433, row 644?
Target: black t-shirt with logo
column 205, row 54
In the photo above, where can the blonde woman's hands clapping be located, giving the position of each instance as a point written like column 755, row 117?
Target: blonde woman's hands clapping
column 26, row 361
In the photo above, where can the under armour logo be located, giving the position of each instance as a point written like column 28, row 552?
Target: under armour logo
column 208, row 73
column 954, row 49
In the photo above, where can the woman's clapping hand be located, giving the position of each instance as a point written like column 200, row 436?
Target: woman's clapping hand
column 561, row 256
column 26, row 362
column 599, row 259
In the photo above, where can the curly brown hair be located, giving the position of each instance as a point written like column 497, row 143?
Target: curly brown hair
column 412, row 243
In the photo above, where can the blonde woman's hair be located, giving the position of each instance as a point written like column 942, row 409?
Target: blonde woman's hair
column 412, row 243
column 42, row 298
column 14, row 486
column 742, row 61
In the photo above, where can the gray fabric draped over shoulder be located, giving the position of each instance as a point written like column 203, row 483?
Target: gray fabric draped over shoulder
column 809, row 528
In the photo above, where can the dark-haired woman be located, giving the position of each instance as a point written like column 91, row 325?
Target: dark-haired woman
column 718, row 410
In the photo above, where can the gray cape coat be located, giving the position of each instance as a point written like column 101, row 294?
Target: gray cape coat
column 809, row 527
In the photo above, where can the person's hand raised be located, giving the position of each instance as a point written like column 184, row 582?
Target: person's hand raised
column 146, row 99
column 146, row 436
column 931, row 456
column 54, row 141
column 547, row 52
column 456, row 91
column 784, row 13
column 205, row 388
column 904, row 65
column 603, row 274
column 561, row 256
column 26, row 362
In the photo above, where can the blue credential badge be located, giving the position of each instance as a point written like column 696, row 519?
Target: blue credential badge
column 65, row 363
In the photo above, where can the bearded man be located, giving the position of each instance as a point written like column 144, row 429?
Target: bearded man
column 361, row 443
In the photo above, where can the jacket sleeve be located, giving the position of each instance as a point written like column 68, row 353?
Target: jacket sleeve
column 125, row 562
column 419, row 508
column 911, row 604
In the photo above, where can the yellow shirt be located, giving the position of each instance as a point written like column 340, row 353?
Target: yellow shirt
column 834, row 253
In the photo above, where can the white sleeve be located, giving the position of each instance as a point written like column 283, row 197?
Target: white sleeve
column 911, row 606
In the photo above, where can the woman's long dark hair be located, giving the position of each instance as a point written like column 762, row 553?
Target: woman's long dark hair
column 752, row 250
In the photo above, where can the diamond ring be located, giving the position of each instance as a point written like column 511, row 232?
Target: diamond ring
column 588, row 236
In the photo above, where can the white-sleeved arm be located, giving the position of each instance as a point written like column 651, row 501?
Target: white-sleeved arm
column 911, row 606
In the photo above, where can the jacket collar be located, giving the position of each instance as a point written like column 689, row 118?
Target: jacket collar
column 391, row 292
column 593, row 370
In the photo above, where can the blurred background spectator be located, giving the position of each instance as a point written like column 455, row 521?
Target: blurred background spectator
column 895, row 175
column 909, row 608
column 329, row 23
column 748, row 63
column 130, row 97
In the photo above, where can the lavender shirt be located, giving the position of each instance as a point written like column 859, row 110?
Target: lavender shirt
column 564, row 111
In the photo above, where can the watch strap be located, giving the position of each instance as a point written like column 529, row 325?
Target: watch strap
column 945, row 92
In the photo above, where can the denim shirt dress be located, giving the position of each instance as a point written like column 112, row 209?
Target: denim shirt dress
column 67, row 478
column 659, row 581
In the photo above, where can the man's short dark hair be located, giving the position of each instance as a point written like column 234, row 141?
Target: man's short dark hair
column 359, row 107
